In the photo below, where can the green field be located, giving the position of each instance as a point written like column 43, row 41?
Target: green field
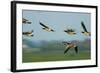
column 53, row 51
column 44, row 57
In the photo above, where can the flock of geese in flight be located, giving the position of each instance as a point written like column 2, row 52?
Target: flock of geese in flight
column 68, row 45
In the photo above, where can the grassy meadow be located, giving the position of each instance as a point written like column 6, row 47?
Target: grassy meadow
column 53, row 51
column 33, row 57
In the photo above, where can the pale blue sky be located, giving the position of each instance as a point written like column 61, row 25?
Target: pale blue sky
column 59, row 21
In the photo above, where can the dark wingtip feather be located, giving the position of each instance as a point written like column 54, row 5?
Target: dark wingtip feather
column 52, row 30
column 76, row 49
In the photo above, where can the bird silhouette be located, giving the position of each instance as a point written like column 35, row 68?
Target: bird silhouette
column 25, row 21
column 85, row 32
column 46, row 28
column 28, row 33
column 70, row 31
column 70, row 46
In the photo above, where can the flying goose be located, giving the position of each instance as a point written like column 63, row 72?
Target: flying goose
column 85, row 32
column 70, row 46
column 28, row 33
column 46, row 28
column 25, row 21
column 70, row 31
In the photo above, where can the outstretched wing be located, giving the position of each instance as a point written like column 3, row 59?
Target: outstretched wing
column 26, row 33
column 24, row 19
column 76, row 49
column 43, row 25
column 69, row 30
column 66, row 43
column 28, row 22
column 66, row 50
column 83, row 26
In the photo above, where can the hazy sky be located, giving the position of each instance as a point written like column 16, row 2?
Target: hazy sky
column 59, row 21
